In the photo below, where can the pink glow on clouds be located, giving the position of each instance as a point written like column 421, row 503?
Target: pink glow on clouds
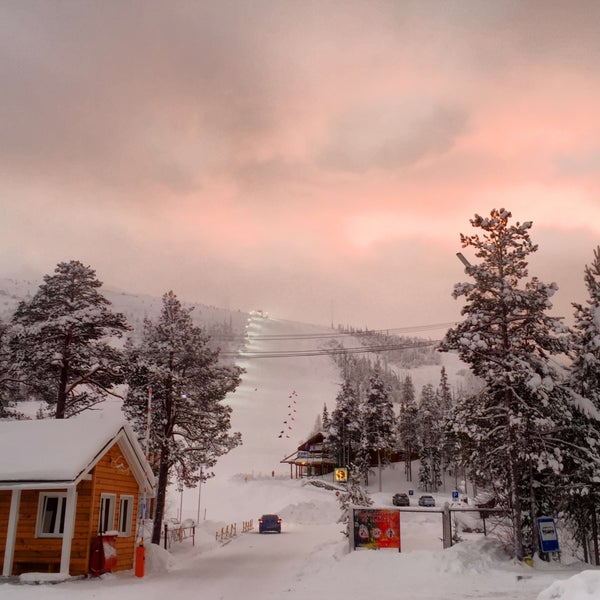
column 296, row 153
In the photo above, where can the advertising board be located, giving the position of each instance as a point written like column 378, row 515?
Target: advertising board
column 376, row 528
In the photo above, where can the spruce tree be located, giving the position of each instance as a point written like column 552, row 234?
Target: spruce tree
column 430, row 439
column 325, row 419
column 407, row 425
column 353, row 495
column 344, row 431
column 444, row 395
column 189, row 425
column 582, row 491
column 509, row 341
column 9, row 379
column 62, row 341
column 378, row 426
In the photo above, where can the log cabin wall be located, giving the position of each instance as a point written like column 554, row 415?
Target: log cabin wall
column 34, row 554
column 113, row 475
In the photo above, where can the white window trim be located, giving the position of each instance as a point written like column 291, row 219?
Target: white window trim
column 110, row 521
column 60, row 516
column 128, row 500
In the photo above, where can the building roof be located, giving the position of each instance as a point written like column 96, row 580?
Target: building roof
column 60, row 452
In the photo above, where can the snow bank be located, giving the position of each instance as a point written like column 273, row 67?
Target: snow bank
column 584, row 586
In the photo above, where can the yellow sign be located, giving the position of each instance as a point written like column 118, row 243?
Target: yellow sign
column 341, row 475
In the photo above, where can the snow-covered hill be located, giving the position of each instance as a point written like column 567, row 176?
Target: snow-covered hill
column 136, row 307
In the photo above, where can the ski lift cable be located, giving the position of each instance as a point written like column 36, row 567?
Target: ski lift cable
column 327, row 351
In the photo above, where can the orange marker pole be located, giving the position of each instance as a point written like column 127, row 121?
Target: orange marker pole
column 140, row 560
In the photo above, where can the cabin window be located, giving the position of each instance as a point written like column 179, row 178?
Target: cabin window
column 106, row 521
column 51, row 515
column 125, row 515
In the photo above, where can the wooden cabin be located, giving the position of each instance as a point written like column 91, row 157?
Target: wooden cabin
column 310, row 459
column 70, row 496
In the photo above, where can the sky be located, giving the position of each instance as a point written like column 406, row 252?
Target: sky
column 314, row 159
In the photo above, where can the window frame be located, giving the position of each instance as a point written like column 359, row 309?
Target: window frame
column 126, row 500
column 109, row 517
column 59, row 519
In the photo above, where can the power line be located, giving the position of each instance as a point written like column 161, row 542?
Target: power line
column 327, row 351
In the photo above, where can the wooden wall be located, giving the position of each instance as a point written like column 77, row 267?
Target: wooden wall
column 113, row 475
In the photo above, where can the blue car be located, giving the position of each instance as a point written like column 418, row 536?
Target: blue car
column 269, row 523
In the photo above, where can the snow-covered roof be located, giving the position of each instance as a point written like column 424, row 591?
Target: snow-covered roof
column 51, row 452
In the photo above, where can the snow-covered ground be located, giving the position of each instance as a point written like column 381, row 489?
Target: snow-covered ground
column 310, row 559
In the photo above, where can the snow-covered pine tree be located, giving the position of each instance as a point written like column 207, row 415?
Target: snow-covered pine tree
column 60, row 341
column 344, row 430
column 582, row 491
column 430, row 439
column 325, row 419
column 508, row 340
column 189, row 425
column 378, row 426
column 353, row 495
column 444, row 394
column 407, row 425
column 9, row 379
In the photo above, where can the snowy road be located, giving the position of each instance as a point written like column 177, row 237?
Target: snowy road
column 311, row 560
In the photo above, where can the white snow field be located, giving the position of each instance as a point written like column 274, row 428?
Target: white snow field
column 310, row 558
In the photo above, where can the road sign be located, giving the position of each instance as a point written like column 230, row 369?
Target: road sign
column 411, row 492
column 548, row 534
column 454, row 494
column 341, row 475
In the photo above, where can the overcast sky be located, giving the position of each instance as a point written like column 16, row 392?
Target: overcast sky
column 315, row 159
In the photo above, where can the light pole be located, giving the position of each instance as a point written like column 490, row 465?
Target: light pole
column 463, row 260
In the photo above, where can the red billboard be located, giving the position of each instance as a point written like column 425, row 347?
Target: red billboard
column 376, row 528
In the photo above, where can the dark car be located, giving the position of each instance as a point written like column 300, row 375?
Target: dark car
column 426, row 501
column 269, row 523
column 401, row 500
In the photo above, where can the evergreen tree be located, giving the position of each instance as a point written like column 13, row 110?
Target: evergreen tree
column 344, row 431
column 430, row 439
column 582, row 491
column 379, row 426
column 444, row 395
column 189, row 425
column 353, row 495
column 508, row 340
column 407, row 425
column 60, row 341
column 325, row 420
column 9, row 379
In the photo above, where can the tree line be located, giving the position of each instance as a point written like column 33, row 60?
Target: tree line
column 531, row 431
column 366, row 430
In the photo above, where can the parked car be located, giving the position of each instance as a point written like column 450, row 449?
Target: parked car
column 269, row 523
column 401, row 499
column 426, row 501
